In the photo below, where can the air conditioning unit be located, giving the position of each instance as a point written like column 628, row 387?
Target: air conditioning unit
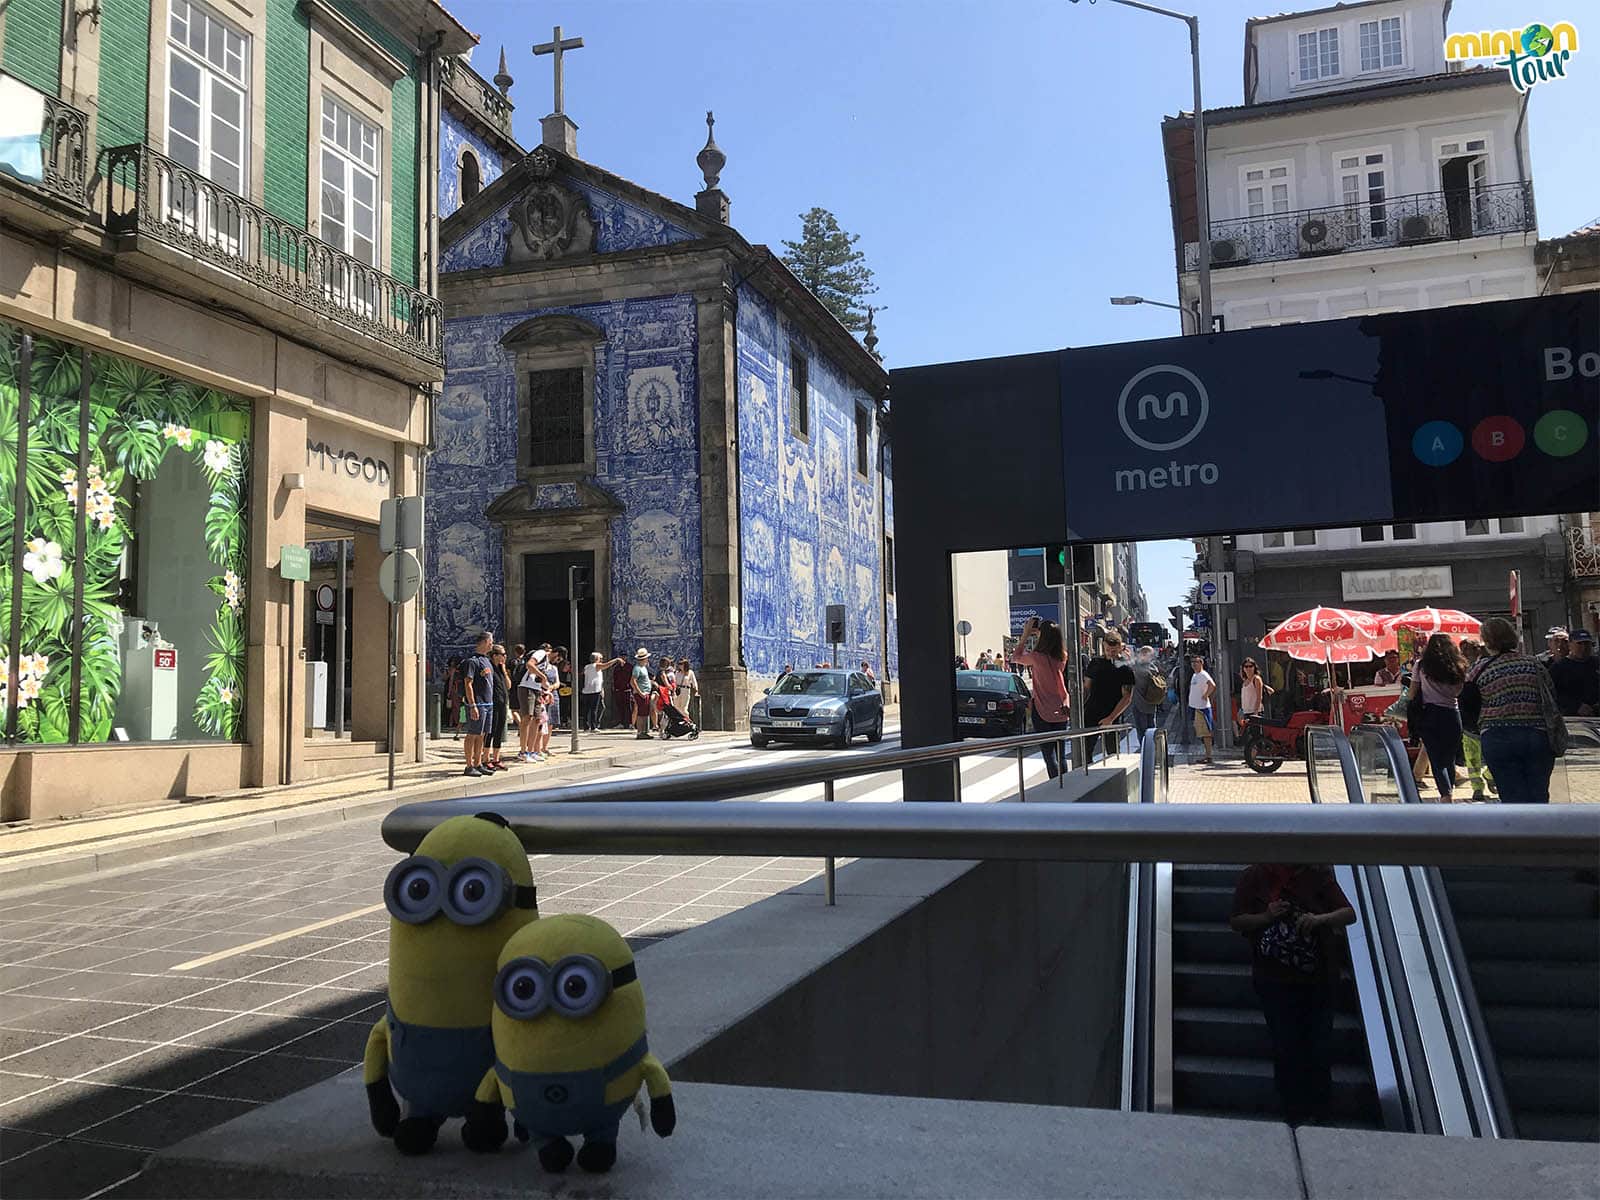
column 1229, row 252
column 1419, row 227
column 1320, row 236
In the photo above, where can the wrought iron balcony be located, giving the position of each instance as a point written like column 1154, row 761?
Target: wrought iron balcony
column 56, row 165
column 149, row 195
column 1583, row 552
column 1414, row 220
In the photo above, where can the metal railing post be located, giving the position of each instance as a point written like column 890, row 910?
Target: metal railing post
column 827, row 863
column 1022, row 778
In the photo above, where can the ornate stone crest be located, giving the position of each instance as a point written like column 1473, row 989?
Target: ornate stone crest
column 548, row 221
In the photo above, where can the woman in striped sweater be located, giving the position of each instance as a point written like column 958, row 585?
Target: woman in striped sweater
column 1516, row 746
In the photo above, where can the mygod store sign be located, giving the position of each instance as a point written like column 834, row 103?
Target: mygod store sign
column 348, row 472
column 1405, row 583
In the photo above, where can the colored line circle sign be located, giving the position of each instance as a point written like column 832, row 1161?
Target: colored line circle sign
column 1560, row 433
column 1437, row 444
column 1498, row 438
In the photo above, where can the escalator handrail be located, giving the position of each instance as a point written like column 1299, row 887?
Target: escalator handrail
column 1147, row 1041
column 1477, row 1055
column 1375, row 963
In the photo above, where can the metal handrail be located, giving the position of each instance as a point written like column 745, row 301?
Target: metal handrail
column 1485, row 1089
column 1538, row 835
column 1147, row 1021
column 1388, row 1019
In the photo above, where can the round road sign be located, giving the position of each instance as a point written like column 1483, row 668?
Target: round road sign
column 400, row 576
column 1208, row 589
column 325, row 598
column 963, row 628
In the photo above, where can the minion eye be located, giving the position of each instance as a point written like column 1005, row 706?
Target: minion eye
column 578, row 989
column 473, row 895
column 412, row 891
column 522, row 991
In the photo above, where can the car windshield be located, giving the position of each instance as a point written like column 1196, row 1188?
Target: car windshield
column 984, row 681
column 810, row 683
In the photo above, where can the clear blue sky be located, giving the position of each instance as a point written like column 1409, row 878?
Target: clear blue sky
column 1002, row 163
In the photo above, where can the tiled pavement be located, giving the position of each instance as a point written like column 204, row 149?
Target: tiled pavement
column 139, row 1007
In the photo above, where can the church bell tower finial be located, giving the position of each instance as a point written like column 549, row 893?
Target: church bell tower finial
column 502, row 77
column 711, row 202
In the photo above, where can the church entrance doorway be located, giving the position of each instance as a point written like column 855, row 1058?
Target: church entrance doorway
column 545, row 614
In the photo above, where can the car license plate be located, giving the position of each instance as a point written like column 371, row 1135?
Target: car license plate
column 969, row 720
column 788, row 724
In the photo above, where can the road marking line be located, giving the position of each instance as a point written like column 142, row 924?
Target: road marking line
column 192, row 964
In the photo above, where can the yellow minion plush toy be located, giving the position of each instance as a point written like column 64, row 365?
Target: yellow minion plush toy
column 569, row 1045
column 453, row 904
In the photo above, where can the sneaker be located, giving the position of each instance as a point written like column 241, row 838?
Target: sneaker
column 470, row 771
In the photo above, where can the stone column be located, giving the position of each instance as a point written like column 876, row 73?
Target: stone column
column 277, row 517
column 723, row 680
column 369, row 652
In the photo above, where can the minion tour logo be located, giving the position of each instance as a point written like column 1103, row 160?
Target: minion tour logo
column 1530, row 56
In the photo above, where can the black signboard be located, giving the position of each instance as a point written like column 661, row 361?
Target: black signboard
column 1483, row 410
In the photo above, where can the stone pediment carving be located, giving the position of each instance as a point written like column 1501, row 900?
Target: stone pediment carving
column 546, row 222
column 541, row 501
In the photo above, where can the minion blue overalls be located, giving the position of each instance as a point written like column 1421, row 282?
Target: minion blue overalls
column 436, row 1070
column 565, row 1104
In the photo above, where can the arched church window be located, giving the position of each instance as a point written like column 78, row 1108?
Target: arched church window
column 471, row 177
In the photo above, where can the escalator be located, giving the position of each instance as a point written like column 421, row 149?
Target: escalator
column 1470, row 1005
column 1531, row 939
column 1221, row 1055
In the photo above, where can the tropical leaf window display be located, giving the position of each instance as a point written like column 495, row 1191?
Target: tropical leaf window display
column 137, row 417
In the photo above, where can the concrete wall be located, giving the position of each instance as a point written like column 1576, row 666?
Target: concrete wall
column 1007, row 984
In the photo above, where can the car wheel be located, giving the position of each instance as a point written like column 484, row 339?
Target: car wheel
column 877, row 730
column 758, row 740
column 847, row 732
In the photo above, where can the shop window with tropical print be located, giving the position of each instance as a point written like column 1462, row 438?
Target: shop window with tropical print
column 122, row 585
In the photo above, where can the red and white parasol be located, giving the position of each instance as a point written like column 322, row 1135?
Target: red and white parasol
column 1319, row 632
column 1435, row 620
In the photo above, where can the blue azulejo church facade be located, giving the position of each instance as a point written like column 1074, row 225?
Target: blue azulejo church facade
column 634, row 389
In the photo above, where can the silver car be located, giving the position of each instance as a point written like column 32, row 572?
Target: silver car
column 816, row 706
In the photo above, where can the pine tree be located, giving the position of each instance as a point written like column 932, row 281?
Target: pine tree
column 826, row 261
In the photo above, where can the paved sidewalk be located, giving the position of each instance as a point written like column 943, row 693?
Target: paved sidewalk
column 34, row 854
column 1229, row 781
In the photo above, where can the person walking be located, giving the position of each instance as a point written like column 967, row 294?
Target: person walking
column 1572, row 676
column 1471, row 744
column 643, row 704
column 621, row 692
column 1109, row 682
column 1046, row 660
column 477, row 685
column 1291, row 915
column 1435, row 685
column 525, row 702
column 1508, row 695
column 866, row 669
column 1583, row 652
column 1149, row 691
column 686, row 690
column 501, row 684
column 1201, row 688
column 452, row 698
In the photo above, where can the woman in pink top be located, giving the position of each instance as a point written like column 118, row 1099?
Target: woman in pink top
column 1046, row 661
column 1437, row 681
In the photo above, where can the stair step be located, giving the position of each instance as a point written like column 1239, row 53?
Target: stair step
column 1544, row 1031
column 1234, row 1032
column 1208, row 941
column 1557, row 939
column 1503, row 982
column 1244, row 1085
column 1219, row 984
column 1191, row 902
column 1470, row 898
column 1558, row 1127
column 1555, row 1084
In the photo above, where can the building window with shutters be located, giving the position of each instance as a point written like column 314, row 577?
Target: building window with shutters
column 555, row 418
column 349, row 182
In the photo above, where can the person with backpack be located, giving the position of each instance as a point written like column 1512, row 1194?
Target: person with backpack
column 1149, row 691
column 1110, row 684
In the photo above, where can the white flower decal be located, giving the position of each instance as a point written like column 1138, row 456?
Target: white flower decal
column 31, row 670
column 99, row 503
column 225, row 694
column 181, row 434
column 232, row 589
column 216, row 456
column 43, row 560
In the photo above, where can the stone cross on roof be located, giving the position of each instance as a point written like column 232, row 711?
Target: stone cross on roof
column 558, row 47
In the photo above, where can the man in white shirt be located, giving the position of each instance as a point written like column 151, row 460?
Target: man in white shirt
column 1201, row 688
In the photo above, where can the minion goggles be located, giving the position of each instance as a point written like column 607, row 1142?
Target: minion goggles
column 574, row 987
column 471, row 892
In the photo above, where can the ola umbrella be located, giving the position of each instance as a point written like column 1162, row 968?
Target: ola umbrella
column 1315, row 633
column 1436, row 620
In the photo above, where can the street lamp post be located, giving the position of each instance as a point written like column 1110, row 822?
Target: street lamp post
column 1177, row 308
column 1202, row 193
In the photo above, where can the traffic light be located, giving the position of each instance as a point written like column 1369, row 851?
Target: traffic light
column 582, row 583
column 1055, row 566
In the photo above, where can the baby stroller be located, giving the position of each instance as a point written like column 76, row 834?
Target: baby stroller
column 678, row 725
